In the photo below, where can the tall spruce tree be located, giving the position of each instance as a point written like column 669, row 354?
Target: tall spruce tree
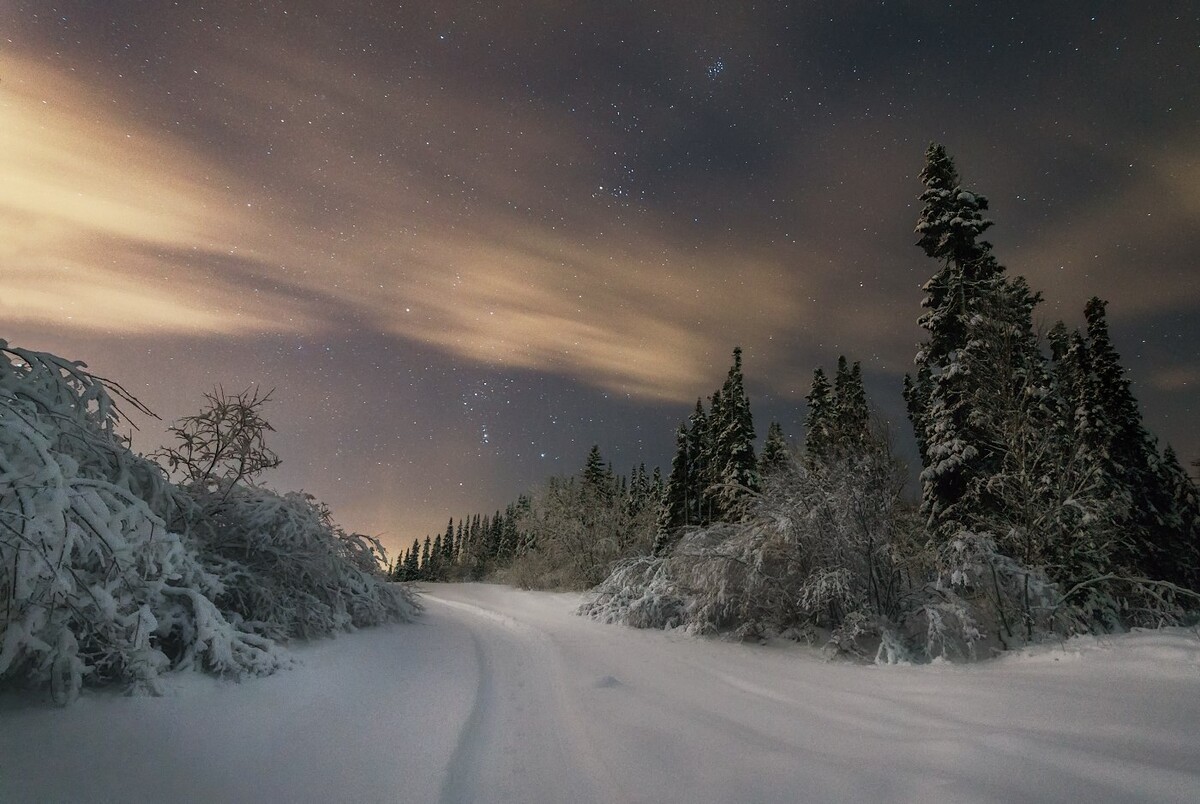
column 735, row 467
column 819, row 423
column 977, row 362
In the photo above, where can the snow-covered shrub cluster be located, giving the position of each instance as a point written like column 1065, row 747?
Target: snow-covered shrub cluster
column 829, row 553
column 111, row 574
column 573, row 529
column 287, row 571
column 816, row 553
column 94, row 586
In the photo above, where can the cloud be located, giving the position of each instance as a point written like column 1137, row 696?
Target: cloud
column 114, row 226
column 1176, row 378
column 314, row 189
column 1126, row 245
column 93, row 203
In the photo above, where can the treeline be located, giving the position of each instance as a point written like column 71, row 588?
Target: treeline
column 566, row 533
column 1046, row 506
column 468, row 551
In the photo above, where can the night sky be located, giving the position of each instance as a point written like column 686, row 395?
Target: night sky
column 463, row 241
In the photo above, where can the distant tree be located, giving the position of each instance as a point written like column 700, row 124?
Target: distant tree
column 448, row 544
column 775, row 455
column 838, row 420
column 851, row 418
column 412, row 561
column 640, row 490
column 1182, row 522
column 699, row 456
column 595, row 472
column 675, row 509
column 426, row 565
column 819, row 423
column 735, row 466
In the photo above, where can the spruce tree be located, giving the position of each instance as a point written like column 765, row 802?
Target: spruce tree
column 1126, row 456
column 697, row 454
column 412, row 561
column 774, row 456
column 819, row 423
column 735, row 467
column 436, row 559
column 978, row 365
column 426, row 568
column 448, row 544
column 495, row 535
column 640, row 490
column 1183, row 521
column 595, row 472
column 675, row 509
column 851, row 419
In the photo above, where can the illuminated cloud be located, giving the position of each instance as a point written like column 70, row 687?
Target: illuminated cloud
column 114, row 228
column 104, row 222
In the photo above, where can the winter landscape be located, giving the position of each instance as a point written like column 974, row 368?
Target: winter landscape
column 554, row 403
column 506, row 696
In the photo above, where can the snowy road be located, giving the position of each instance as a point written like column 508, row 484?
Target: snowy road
column 498, row 695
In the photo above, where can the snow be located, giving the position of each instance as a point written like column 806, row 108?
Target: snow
column 501, row 695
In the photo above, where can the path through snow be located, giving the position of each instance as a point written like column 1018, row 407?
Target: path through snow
column 498, row 695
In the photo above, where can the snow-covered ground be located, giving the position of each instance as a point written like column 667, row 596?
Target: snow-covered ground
column 498, row 695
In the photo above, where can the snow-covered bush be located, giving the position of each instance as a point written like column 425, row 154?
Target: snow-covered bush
column 639, row 592
column 286, row 570
column 817, row 553
column 93, row 584
column 830, row 552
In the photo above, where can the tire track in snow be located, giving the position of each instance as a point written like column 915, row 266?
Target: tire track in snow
column 459, row 782
column 523, row 740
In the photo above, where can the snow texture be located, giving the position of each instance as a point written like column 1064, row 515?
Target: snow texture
column 501, row 695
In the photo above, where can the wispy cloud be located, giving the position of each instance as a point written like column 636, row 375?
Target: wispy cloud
column 104, row 222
